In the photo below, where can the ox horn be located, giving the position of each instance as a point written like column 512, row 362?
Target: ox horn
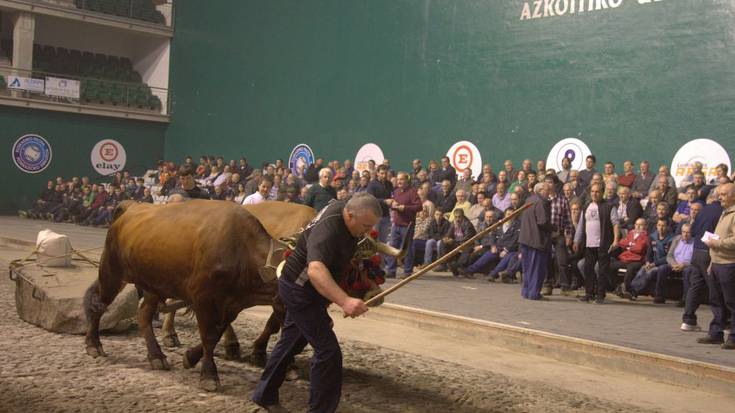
column 393, row 252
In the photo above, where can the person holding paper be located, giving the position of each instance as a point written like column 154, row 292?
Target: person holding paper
column 721, row 277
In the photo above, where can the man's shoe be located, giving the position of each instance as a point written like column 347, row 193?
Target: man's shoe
column 619, row 291
column 689, row 327
column 710, row 340
column 568, row 293
column 505, row 277
column 728, row 345
column 274, row 408
column 599, row 300
column 630, row 295
column 546, row 291
column 584, row 298
column 659, row 300
column 453, row 269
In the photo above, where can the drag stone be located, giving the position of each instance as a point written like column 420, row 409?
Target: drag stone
column 51, row 298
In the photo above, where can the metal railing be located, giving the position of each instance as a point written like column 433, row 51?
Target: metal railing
column 99, row 93
column 151, row 11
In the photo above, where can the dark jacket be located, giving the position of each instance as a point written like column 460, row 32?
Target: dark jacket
column 441, row 174
column 706, row 220
column 606, row 230
column 381, row 191
column 536, row 224
column 659, row 248
column 438, row 231
column 467, row 229
column 508, row 240
column 319, row 196
column 633, row 209
column 446, row 203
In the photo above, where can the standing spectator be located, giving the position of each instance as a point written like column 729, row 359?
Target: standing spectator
column 609, row 173
column 404, row 204
column 561, row 238
column 721, row 277
column 566, row 167
column 382, row 189
column 597, row 233
column 642, row 182
column 262, row 193
column 628, row 177
column 535, row 240
column 584, row 177
column 189, row 185
column 321, row 193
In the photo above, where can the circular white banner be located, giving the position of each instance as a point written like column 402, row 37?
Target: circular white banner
column 366, row 153
column 571, row 148
column 707, row 151
column 463, row 155
column 108, row 156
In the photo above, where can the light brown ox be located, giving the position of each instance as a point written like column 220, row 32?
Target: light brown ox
column 205, row 253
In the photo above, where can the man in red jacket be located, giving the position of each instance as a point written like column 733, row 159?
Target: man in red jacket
column 404, row 205
column 632, row 257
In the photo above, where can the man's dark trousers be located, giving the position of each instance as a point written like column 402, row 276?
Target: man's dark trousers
column 306, row 321
column 398, row 234
column 561, row 254
column 596, row 281
column 721, row 282
column 535, row 265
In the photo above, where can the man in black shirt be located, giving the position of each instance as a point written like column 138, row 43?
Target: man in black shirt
column 308, row 284
column 382, row 189
column 188, row 184
column 322, row 192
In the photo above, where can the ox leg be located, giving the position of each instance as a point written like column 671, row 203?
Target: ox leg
column 145, row 318
column 192, row 356
column 170, row 338
column 96, row 300
column 231, row 344
column 211, row 329
column 260, row 345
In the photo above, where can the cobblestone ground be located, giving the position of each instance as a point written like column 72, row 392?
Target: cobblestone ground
column 47, row 372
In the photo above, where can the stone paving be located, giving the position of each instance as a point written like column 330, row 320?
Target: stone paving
column 640, row 325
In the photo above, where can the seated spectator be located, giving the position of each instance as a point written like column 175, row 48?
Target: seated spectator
column 262, row 194
column 94, row 208
column 694, row 210
column 721, row 170
column 682, row 210
column 421, row 230
column 531, row 181
column 609, row 174
column 507, row 252
column 465, row 182
column 462, row 203
column 566, row 168
column 678, row 262
column 663, row 171
column 189, row 186
column 477, row 210
column 41, row 205
column 611, row 192
column 460, row 231
column 139, row 189
column 147, row 197
column 660, row 242
column 699, row 186
column 634, row 247
column 240, row 196
column 519, row 181
column 501, row 199
column 642, row 182
column 503, row 177
column 629, row 209
column 628, row 176
column 662, row 212
column 689, row 178
column 446, row 200
column 343, row 194
column 485, row 252
column 445, row 172
column 438, row 230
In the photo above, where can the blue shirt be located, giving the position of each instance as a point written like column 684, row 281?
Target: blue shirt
column 683, row 252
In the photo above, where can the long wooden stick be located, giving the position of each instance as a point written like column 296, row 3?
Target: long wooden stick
column 448, row 255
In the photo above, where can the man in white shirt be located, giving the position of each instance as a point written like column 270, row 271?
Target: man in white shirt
column 261, row 194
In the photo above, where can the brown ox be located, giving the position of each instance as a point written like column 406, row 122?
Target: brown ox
column 205, row 253
column 280, row 220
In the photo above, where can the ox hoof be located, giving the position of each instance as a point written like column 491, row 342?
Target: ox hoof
column 159, row 364
column 96, row 351
column 188, row 362
column 171, row 341
column 259, row 359
column 292, row 374
column 210, row 385
column 232, row 352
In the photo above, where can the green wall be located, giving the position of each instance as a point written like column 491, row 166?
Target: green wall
column 257, row 77
column 72, row 138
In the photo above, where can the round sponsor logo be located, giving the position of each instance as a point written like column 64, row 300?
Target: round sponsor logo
column 32, row 153
column 108, row 156
column 571, row 148
column 706, row 151
column 463, row 155
column 301, row 157
column 366, row 153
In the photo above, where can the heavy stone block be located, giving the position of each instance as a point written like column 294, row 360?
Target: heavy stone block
column 52, row 298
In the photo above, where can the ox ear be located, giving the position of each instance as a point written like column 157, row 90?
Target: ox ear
column 388, row 250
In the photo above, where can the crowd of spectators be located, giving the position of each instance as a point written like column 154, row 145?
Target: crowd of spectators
column 629, row 233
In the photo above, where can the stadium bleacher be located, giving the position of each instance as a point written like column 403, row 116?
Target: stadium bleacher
column 105, row 79
column 136, row 9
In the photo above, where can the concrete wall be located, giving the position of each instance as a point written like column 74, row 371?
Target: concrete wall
column 632, row 78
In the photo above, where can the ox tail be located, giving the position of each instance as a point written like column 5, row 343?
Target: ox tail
column 93, row 304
